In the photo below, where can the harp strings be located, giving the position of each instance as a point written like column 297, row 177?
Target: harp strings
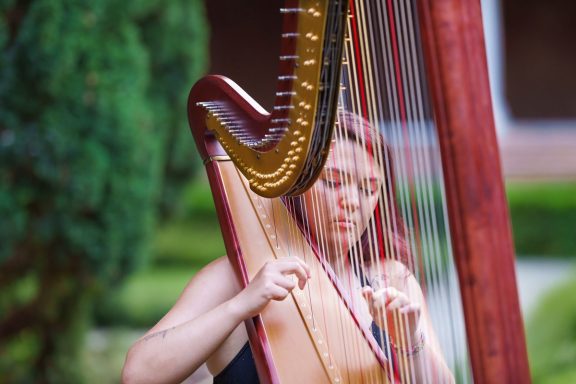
column 371, row 91
column 353, row 256
column 411, row 136
column 400, row 76
column 362, row 102
column 390, row 91
column 383, row 83
column 353, row 73
column 424, row 139
column 378, row 244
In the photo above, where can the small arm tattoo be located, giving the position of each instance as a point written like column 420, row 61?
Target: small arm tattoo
column 160, row 333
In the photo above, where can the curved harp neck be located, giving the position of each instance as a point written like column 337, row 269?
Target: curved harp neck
column 282, row 152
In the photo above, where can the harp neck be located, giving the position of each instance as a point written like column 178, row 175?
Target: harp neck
column 282, row 152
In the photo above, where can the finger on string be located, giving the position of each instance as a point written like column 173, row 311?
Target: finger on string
column 278, row 293
column 412, row 308
column 392, row 293
column 296, row 268
column 383, row 296
column 378, row 299
column 396, row 303
column 303, row 264
column 367, row 292
column 299, row 262
column 286, row 282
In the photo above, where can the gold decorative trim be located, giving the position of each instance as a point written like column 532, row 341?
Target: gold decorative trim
column 209, row 159
column 272, row 172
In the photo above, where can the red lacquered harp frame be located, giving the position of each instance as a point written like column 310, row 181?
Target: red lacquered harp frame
column 252, row 157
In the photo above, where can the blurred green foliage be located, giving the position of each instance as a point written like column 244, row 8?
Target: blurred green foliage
column 197, row 202
column 543, row 218
column 105, row 352
column 181, row 247
column 551, row 336
column 92, row 137
column 144, row 298
column 176, row 34
column 193, row 243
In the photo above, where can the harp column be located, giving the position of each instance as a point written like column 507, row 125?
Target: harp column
column 482, row 241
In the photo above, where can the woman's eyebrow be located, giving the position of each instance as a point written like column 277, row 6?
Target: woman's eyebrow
column 333, row 170
column 338, row 171
column 341, row 172
column 373, row 179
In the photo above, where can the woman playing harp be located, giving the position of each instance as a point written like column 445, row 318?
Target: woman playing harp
column 341, row 215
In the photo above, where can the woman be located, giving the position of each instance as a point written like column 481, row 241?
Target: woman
column 206, row 323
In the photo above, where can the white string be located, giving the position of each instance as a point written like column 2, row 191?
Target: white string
column 373, row 118
column 415, row 169
column 352, row 93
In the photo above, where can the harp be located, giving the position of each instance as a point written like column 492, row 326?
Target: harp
column 331, row 53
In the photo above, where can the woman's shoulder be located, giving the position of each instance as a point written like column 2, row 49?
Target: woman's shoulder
column 397, row 274
column 216, row 267
column 401, row 277
column 216, row 280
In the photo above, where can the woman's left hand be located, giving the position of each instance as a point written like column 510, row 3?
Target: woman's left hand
column 392, row 309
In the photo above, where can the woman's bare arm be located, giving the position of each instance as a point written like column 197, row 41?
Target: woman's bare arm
column 177, row 345
column 210, row 308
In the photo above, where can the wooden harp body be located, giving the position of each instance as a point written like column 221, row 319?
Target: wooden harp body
column 245, row 150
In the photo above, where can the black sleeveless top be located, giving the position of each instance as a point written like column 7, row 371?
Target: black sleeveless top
column 242, row 369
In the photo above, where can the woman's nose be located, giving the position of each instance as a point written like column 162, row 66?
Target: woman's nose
column 350, row 198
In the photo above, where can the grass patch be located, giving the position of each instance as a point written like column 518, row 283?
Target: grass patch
column 543, row 221
column 144, row 298
column 190, row 242
column 194, row 237
column 553, row 195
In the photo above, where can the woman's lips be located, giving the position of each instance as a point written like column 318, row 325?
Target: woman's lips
column 345, row 224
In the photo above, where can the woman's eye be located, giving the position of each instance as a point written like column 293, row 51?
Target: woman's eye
column 368, row 190
column 331, row 183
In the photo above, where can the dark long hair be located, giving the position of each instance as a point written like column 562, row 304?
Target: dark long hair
column 357, row 129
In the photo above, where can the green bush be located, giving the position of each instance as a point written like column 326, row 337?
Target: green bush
column 180, row 248
column 175, row 33
column 543, row 218
column 79, row 171
column 91, row 120
column 551, row 336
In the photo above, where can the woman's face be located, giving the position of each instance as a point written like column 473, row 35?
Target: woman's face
column 342, row 201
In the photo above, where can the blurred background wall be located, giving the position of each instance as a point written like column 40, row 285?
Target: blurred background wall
column 104, row 210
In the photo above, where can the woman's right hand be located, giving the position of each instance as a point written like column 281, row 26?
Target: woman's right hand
column 274, row 281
